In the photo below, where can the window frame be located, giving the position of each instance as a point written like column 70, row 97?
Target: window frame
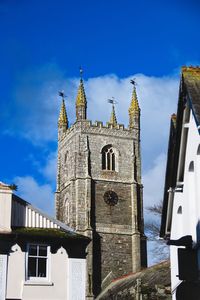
column 108, row 158
column 48, row 263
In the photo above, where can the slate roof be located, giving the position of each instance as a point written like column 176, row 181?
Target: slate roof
column 31, row 225
column 170, row 175
column 61, row 232
column 191, row 81
column 151, row 278
column 189, row 91
column 48, row 232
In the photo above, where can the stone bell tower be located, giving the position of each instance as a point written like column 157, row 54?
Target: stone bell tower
column 99, row 190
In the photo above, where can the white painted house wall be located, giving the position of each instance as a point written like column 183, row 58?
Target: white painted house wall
column 5, row 209
column 185, row 223
column 66, row 277
column 3, row 271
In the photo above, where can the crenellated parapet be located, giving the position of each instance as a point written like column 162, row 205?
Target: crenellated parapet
column 82, row 123
column 98, row 127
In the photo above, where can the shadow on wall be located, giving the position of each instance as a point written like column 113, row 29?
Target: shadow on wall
column 188, row 266
column 96, row 247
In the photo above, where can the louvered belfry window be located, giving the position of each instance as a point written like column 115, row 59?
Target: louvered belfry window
column 108, row 158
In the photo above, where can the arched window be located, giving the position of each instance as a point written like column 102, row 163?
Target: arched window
column 179, row 211
column 191, row 167
column 108, row 158
column 198, row 150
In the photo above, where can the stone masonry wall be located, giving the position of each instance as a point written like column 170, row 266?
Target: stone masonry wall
column 116, row 235
column 118, row 214
column 116, row 257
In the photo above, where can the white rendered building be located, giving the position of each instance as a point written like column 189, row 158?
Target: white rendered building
column 40, row 257
column 181, row 205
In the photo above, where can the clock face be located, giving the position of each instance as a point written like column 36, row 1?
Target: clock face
column 110, row 198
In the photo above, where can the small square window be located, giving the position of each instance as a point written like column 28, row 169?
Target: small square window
column 37, row 262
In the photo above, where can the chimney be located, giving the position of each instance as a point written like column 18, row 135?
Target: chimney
column 5, row 207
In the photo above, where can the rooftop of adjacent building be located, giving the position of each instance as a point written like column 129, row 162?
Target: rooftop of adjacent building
column 191, row 70
column 190, row 93
column 28, row 220
column 191, row 82
column 43, row 233
column 152, row 281
column 4, row 186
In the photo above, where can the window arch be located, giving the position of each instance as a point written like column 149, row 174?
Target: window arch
column 191, row 166
column 198, row 150
column 108, row 158
column 179, row 211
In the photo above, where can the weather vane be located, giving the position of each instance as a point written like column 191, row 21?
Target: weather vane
column 112, row 101
column 62, row 94
column 133, row 82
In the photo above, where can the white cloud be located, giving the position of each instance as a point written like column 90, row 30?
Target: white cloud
column 153, row 180
column 38, row 108
column 49, row 169
column 37, row 103
column 157, row 98
column 40, row 196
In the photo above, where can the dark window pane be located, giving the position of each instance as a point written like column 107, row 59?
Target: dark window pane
column 113, row 162
column 103, row 161
column 33, row 250
column 42, row 262
column 42, row 250
column 108, row 161
column 32, row 267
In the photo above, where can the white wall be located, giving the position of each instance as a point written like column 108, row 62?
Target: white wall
column 66, row 281
column 3, row 271
column 5, row 208
column 186, row 223
column 67, row 277
column 77, row 280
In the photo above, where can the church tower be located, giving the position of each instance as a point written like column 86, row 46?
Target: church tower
column 99, row 190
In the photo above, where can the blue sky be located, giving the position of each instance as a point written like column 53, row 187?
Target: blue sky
column 43, row 43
